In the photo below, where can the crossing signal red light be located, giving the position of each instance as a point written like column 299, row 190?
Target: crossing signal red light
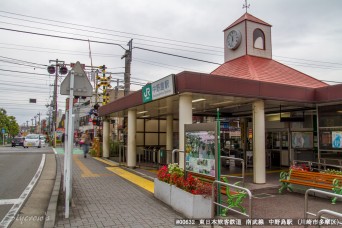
column 51, row 69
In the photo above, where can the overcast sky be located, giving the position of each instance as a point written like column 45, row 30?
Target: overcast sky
column 306, row 35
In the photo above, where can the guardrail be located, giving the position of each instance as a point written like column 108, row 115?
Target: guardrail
column 216, row 182
column 323, row 211
column 242, row 167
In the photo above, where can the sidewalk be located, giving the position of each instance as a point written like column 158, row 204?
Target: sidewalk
column 104, row 196
column 101, row 198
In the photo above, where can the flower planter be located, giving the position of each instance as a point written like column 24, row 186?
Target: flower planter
column 162, row 191
column 191, row 206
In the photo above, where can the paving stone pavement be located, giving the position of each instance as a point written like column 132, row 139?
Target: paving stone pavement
column 103, row 199
column 107, row 200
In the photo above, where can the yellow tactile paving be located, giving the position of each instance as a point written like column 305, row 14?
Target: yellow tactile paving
column 85, row 171
column 105, row 161
column 135, row 179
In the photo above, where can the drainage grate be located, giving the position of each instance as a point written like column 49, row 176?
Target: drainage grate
column 262, row 195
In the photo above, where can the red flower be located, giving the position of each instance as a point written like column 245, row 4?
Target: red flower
column 190, row 184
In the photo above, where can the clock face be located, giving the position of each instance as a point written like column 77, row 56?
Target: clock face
column 234, row 39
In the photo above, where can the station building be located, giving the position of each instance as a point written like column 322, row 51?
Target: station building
column 270, row 113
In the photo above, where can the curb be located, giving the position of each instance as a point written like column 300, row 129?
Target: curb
column 51, row 212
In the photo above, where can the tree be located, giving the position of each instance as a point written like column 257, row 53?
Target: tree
column 13, row 126
column 8, row 123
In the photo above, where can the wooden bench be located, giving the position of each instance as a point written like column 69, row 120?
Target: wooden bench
column 311, row 179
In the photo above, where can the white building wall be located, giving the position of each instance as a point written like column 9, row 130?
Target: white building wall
column 267, row 53
column 241, row 50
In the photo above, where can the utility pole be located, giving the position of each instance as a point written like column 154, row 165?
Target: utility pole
column 128, row 60
column 39, row 125
column 35, row 124
column 117, row 89
column 62, row 70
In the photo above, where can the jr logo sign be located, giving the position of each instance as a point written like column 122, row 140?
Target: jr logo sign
column 147, row 93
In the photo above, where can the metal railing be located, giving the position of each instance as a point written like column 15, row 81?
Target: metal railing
column 216, row 182
column 323, row 211
column 316, row 164
column 242, row 167
column 173, row 155
column 122, row 153
column 324, row 161
column 329, row 212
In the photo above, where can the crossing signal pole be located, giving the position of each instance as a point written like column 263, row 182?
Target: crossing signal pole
column 52, row 69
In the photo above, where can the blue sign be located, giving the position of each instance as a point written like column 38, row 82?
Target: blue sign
column 3, row 131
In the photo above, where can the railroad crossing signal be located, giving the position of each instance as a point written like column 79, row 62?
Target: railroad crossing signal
column 105, row 83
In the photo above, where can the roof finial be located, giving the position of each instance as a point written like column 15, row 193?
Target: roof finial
column 246, row 6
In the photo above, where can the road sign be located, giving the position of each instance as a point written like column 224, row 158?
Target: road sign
column 82, row 85
column 3, row 131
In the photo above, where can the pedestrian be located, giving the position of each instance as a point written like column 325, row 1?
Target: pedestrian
column 63, row 139
column 85, row 139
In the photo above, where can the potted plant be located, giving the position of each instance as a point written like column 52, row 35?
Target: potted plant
column 190, row 196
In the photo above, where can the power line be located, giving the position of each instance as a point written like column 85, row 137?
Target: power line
column 98, row 28
column 97, row 37
column 23, row 61
column 22, row 72
column 61, row 37
column 310, row 60
column 184, row 57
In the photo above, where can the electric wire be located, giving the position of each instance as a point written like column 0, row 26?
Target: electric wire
column 97, row 28
column 61, row 37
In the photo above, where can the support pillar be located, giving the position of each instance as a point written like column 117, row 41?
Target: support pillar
column 169, row 138
column 185, row 117
column 105, row 138
column 259, row 152
column 131, row 141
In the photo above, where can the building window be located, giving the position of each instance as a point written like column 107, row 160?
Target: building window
column 259, row 39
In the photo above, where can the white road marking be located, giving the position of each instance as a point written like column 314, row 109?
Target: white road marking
column 9, row 201
column 10, row 216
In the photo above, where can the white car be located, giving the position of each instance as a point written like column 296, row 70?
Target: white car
column 32, row 140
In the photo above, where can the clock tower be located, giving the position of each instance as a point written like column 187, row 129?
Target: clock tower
column 247, row 36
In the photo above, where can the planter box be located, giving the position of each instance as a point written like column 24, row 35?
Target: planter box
column 162, row 191
column 191, row 206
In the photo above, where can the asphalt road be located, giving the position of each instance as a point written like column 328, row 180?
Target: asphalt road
column 17, row 168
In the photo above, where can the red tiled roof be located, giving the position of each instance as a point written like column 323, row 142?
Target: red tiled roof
column 247, row 17
column 266, row 70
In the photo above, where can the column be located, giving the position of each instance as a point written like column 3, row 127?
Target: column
column 131, row 142
column 105, row 138
column 185, row 117
column 259, row 152
column 169, row 137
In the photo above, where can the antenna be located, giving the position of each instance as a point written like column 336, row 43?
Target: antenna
column 246, row 5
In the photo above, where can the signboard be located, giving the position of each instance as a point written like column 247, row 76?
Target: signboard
column 302, row 140
column 3, row 130
column 82, row 86
column 201, row 148
column 158, row 89
column 337, row 139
